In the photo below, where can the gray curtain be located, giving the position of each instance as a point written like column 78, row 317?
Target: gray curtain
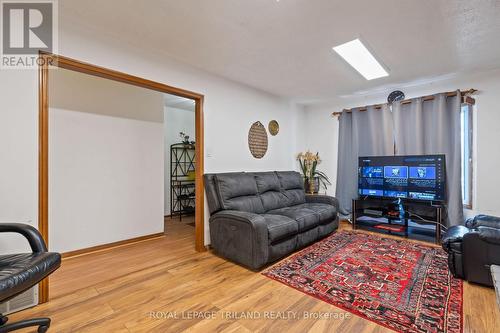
column 361, row 133
column 433, row 127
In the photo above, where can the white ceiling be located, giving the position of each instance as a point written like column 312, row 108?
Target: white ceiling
column 179, row 102
column 285, row 47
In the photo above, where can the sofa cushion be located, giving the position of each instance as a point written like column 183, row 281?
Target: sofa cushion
column 452, row 239
column 306, row 218
column 290, row 180
column 238, row 191
column 212, row 194
column 282, row 248
column 231, row 185
column 307, row 237
column 326, row 213
column 292, row 185
column 267, row 181
column 295, row 197
column 280, row 227
column 326, row 229
column 269, row 187
column 250, row 204
column 273, row 200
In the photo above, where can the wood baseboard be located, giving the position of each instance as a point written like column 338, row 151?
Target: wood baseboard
column 97, row 248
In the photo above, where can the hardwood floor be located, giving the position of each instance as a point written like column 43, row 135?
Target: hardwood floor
column 163, row 285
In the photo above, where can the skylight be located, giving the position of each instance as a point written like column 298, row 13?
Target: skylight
column 358, row 56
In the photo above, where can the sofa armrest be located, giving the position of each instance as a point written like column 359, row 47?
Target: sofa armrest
column 326, row 199
column 484, row 221
column 245, row 217
column 34, row 238
column 453, row 238
column 479, row 253
column 489, row 235
column 241, row 237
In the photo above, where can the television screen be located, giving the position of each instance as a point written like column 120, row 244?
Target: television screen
column 419, row 177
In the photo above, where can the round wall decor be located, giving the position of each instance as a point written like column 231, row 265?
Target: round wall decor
column 395, row 96
column 257, row 140
column 273, row 127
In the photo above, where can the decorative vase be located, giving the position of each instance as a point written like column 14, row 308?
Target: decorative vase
column 306, row 185
column 311, row 187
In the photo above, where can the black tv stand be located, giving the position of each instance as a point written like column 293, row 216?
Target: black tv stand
column 414, row 219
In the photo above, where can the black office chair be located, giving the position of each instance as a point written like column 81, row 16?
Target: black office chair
column 19, row 272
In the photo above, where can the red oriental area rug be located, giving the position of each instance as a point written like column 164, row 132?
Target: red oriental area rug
column 402, row 285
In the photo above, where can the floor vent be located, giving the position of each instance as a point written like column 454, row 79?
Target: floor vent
column 22, row 301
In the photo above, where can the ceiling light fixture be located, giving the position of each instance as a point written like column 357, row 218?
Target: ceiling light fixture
column 360, row 58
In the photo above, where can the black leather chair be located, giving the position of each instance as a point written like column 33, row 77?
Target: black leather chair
column 473, row 248
column 19, row 272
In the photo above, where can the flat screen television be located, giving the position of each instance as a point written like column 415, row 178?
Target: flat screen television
column 417, row 177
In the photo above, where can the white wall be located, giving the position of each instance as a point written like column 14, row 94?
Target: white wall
column 72, row 90
column 323, row 131
column 230, row 108
column 175, row 121
column 19, row 154
column 106, row 179
column 322, row 137
column 105, row 161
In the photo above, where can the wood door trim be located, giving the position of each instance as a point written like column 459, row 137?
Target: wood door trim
column 47, row 59
column 43, row 163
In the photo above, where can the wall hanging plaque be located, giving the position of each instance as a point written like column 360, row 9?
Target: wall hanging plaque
column 257, row 140
column 273, row 127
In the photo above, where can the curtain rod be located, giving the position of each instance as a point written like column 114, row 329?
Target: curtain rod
column 465, row 94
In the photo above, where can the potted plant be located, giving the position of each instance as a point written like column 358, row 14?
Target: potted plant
column 185, row 139
column 313, row 178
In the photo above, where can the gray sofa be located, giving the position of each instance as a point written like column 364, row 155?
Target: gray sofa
column 258, row 218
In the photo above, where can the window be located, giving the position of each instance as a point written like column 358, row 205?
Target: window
column 466, row 144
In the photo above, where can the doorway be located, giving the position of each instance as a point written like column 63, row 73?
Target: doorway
column 47, row 60
column 179, row 161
